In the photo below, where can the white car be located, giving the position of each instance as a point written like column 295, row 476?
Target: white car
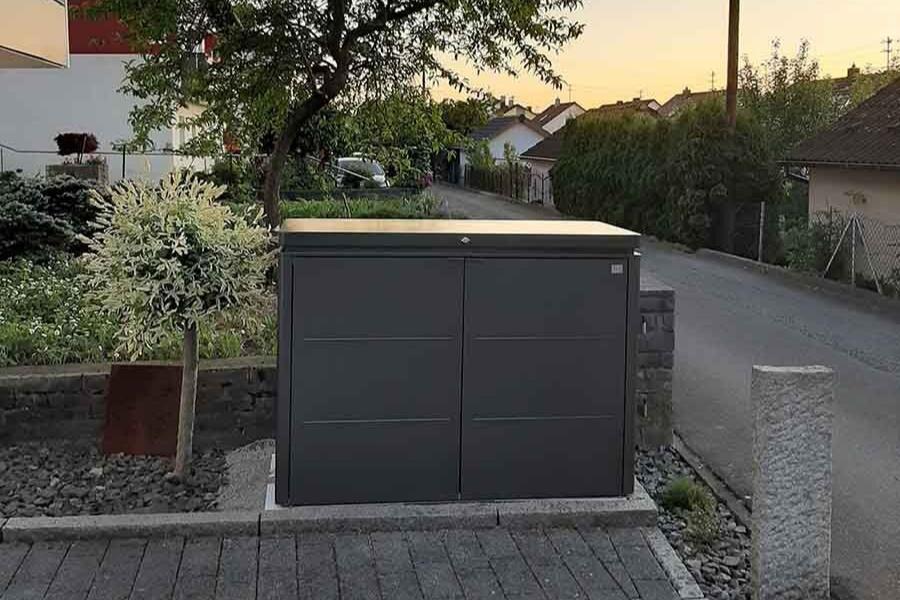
column 355, row 171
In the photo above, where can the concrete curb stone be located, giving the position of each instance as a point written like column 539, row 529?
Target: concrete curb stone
column 636, row 510
column 378, row 517
column 34, row 529
column 678, row 575
column 835, row 289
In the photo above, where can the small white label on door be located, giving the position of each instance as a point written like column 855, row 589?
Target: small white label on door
column 617, row 269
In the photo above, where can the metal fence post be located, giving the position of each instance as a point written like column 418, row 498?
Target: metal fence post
column 124, row 154
column 762, row 230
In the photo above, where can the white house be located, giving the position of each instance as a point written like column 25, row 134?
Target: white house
column 37, row 104
column 558, row 114
column 854, row 167
column 517, row 132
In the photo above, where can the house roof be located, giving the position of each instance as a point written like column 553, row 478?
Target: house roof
column 638, row 105
column 687, row 98
column 547, row 149
column 867, row 136
column 498, row 125
column 554, row 110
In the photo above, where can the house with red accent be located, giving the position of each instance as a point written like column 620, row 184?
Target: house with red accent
column 38, row 104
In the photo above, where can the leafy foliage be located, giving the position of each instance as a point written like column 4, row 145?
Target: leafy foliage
column 280, row 64
column 171, row 257
column 76, row 143
column 46, row 317
column 420, row 207
column 402, row 132
column 41, row 217
column 465, row 116
column 668, row 179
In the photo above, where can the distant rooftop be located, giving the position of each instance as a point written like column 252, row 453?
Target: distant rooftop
column 867, row 136
column 498, row 125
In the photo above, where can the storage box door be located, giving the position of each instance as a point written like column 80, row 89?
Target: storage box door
column 375, row 379
column 544, row 378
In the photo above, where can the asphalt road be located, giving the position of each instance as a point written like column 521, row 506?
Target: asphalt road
column 728, row 319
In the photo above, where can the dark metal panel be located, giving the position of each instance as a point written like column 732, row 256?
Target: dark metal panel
column 631, row 361
column 375, row 395
column 283, row 397
column 544, row 377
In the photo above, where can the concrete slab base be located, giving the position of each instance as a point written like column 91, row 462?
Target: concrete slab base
column 637, row 510
column 34, row 529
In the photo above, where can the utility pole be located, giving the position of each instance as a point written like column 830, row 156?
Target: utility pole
column 712, row 81
column 888, row 43
column 734, row 11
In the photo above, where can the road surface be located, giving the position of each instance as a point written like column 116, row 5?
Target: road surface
column 728, row 319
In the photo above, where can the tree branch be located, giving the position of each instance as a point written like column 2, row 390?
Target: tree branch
column 385, row 16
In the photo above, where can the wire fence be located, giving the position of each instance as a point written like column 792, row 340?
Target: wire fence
column 838, row 244
column 513, row 181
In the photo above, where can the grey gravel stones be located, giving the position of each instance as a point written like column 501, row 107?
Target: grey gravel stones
column 73, row 478
column 721, row 569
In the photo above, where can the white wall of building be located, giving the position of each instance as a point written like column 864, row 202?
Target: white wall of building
column 832, row 188
column 829, row 187
column 519, row 136
column 37, row 104
column 558, row 122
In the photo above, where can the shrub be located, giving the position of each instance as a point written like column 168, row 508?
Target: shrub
column 672, row 179
column 76, row 143
column 47, row 318
column 170, row 258
column 44, row 318
column 41, row 217
column 808, row 245
column 684, row 493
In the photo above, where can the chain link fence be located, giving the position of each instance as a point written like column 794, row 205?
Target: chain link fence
column 845, row 246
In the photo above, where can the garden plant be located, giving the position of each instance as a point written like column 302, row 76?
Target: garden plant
column 168, row 258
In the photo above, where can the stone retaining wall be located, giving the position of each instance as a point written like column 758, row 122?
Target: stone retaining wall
column 235, row 397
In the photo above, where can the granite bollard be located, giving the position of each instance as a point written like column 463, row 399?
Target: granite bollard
column 793, row 421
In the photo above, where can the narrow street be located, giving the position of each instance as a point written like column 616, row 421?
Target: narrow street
column 728, row 319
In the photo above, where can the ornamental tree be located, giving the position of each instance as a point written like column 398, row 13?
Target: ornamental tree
column 279, row 63
column 169, row 257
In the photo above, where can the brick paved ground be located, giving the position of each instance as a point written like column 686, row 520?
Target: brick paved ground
column 494, row 563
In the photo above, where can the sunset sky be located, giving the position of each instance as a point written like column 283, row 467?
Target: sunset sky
column 656, row 48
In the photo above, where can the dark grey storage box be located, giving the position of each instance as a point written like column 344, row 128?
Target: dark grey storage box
column 442, row 360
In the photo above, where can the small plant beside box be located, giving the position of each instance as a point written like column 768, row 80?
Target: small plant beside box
column 696, row 505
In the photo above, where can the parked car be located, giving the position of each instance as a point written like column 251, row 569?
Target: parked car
column 358, row 172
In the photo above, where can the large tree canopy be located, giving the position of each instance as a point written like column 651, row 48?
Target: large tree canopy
column 280, row 62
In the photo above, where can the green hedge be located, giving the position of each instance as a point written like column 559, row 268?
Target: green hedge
column 418, row 207
column 672, row 179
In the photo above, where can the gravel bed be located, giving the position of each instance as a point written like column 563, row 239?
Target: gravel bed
column 722, row 569
column 75, row 478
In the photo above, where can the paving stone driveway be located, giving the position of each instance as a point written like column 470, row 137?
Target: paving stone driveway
column 492, row 563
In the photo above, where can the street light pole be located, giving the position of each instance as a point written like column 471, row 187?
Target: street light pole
column 734, row 10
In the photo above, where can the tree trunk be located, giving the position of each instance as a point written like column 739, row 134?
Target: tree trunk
column 188, row 401
column 298, row 117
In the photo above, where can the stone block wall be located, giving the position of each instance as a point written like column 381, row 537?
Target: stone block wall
column 235, row 398
column 656, row 356
column 235, row 402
